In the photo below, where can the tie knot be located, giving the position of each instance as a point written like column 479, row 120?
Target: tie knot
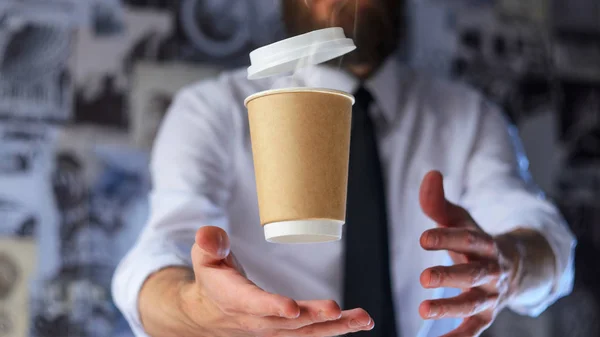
column 363, row 99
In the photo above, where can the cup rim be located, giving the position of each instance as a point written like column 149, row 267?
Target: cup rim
column 299, row 89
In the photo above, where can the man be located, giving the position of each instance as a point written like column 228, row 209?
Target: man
column 510, row 247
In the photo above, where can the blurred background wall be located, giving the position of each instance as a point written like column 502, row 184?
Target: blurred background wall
column 85, row 83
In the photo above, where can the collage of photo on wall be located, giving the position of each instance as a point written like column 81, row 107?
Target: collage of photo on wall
column 76, row 301
column 35, row 82
column 25, row 147
column 16, row 258
column 217, row 33
column 97, row 219
column 221, row 32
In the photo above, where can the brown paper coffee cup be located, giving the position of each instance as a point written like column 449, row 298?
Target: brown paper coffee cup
column 300, row 144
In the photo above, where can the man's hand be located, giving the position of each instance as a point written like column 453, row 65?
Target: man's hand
column 482, row 269
column 218, row 300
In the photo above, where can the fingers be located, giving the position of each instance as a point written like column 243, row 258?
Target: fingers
column 434, row 204
column 468, row 275
column 211, row 246
column 351, row 321
column 224, row 283
column 467, row 304
column 470, row 327
column 311, row 312
column 241, row 297
column 234, row 294
column 459, row 240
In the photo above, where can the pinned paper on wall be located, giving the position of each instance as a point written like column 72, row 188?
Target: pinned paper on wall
column 17, row 264
column 153, row 88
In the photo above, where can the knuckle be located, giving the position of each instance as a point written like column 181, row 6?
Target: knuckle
column 475, row 274
column 471, row 238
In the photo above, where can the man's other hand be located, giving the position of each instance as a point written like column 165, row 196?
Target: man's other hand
column 480, row 268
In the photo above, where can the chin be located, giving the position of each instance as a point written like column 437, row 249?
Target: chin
column 373, row 51
column 362, row 61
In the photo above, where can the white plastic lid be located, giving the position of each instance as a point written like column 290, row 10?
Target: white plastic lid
column 299, row 51
column 304, row 231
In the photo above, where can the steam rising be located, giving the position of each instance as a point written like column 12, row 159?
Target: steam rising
column 296, row 80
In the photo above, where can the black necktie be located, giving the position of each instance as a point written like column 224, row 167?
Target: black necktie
column 367, row 266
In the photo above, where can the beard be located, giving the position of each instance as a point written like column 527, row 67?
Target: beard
column 375, row 28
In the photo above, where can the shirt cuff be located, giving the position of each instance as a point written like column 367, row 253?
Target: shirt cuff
column 554, row 229
column 129, row 278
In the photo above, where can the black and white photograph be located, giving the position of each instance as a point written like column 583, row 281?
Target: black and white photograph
column 222, row 32
column 102, row 66
column 17, row 219
column 73, row 305
column 25, row 148
column 100, row 201
column 35, row 83
column 154, row 86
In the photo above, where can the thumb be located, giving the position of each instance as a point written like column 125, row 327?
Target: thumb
column 435, row 205
column 211, row 247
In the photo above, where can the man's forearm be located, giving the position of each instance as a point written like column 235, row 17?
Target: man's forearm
column 535, row 265
column 159, row 303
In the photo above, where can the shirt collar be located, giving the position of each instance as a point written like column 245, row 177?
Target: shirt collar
column 384, row 85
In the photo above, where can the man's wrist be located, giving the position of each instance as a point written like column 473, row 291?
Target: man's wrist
column 533, row 266
column 160, row 302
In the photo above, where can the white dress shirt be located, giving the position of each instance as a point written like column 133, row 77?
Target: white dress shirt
column 203, row 175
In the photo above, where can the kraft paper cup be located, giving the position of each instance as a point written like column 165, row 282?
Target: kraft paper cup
column 301, row 145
